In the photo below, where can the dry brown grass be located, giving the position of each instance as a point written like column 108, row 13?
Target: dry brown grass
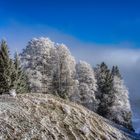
column 46, row 117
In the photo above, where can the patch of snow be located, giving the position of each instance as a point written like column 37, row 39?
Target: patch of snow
column 12, row 92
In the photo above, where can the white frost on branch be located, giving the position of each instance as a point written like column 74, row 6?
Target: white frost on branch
column 87, row 85
column 65, row 72
column 37, row 61
column 120, row 112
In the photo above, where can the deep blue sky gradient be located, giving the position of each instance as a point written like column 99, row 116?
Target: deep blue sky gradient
column 100, row 21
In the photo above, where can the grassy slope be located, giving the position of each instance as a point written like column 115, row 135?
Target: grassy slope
column 45, row 117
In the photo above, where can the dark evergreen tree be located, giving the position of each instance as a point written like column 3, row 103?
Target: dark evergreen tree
column 6, row 68
column 20, row 81
column 116, row 72
column 105, row 89
column 11, row 74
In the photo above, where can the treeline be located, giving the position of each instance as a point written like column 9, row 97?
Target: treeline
column 50, row 68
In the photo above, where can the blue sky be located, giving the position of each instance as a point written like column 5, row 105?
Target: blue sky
column 100, row 21
column 94, row 30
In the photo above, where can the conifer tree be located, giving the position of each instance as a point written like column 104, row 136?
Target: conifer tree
column 116, row 72
column 6, row 68
column 120, row 111
column 105, row 89
column 11, row 74
column 113, row 96
column 19, row 78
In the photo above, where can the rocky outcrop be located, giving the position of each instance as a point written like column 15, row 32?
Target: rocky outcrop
column 46, row 117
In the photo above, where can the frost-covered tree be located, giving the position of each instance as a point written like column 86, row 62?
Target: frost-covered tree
column 6, row 68
column 50, row 67
column 87, row 85
column 120, row 111
column 65, row 72
column 113, row 96
column 105, row 89
column 37, row 60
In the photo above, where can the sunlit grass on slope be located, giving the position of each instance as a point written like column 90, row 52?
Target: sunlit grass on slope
column 46, row 117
